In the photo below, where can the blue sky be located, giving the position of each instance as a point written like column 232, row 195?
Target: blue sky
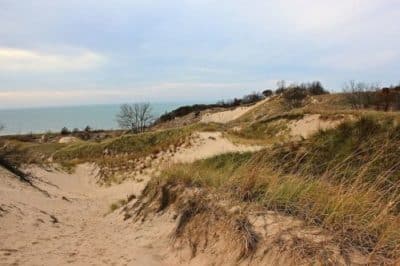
column 84, row 52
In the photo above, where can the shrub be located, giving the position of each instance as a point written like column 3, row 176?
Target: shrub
column 360, row 95
column 252, row 98
column 267, row 93
column 280, row 90
column 294, row 96
column 315, row 88
column 312, row 88
column 281, row 87
column 65, row 131
column 185, row 110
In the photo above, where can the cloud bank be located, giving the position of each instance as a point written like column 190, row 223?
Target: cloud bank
column 12, row 59
column 120, row 46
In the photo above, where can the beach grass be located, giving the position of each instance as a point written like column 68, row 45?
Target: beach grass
column 136, row 145
column 346, row 180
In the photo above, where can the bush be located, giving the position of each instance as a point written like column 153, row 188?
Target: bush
column 362, row 95
column 252, row 98
column 185, row 110
column 294, row 96
column 315, row 88
column 312, row 88
column 65, row 131
column 267, row 93
column 280, row 91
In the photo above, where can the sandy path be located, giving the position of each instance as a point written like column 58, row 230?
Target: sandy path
column 73, row 225
column 70, row 226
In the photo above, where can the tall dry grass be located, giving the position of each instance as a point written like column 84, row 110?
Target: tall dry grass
column 346, row 180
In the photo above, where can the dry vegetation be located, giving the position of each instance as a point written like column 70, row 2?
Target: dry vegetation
column 346, row 180
column 23, row 152
column 201, row 219
column 112, row 154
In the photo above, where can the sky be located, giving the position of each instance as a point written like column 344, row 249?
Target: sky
column 72, row 52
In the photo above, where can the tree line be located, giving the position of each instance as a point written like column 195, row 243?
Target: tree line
column 361, row 95
column 137, row 117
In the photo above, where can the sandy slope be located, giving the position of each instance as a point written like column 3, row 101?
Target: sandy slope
column 209, row 144
column 227, row 116
column 67, row 227
column 311, row 123
column 72, row 225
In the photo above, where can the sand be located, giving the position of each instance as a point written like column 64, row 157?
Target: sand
column 73, row 223
column 69, row 227
column 68, row 140
column 209, row 144
column 310, row 124
column 228, row 116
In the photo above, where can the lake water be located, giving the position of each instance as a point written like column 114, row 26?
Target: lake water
column 39, row 120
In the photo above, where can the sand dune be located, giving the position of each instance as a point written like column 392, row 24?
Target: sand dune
column 74, row 225
column 228, row 116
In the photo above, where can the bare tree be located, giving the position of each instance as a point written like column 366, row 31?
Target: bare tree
column 145, row 116
column 135, row 117
column 128, row 117
column 361, row 95
column 281, row 86
column 1, row 126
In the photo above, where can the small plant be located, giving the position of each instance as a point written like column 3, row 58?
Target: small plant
column 116, row 205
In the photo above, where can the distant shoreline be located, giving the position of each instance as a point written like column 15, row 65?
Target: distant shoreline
column 39, row 120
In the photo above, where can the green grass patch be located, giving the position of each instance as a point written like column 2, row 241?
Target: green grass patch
column 267, row 130
column 20, row 152
column 137, row 145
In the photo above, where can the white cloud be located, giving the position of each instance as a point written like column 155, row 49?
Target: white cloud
column 163, row 91
column 12, row 59
column 311, row 15
column 361, row 61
